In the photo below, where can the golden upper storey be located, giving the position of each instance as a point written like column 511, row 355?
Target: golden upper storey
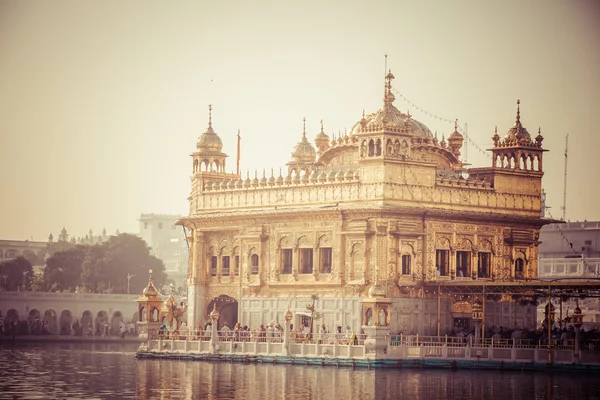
column 388, row 159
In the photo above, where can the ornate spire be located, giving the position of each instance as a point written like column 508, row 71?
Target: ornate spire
column 388, row 97
column 518, row 120
column 210, row 128
column 322, row 126
column 496, row 138
column 304, row 127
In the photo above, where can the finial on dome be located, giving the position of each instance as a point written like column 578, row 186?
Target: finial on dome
column 322, row 126
column 210, row 115
column 518, row 121
column 455, row 124
column 304, row 127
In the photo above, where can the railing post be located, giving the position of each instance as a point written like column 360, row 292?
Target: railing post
column 513, row 350
column 417, row 339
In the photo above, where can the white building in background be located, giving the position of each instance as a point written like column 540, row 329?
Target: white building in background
column 570, row 251
column 167, row 242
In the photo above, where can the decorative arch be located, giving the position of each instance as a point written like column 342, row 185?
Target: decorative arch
column 303, row 241
column 227, row 307
column 115, row 322
column 407, row 255
column 520, row 265
column 51, row 322
column 66, row 319
column 33, row 315
column 11, row 315
column 357, row 261
column 86, row 322
column 284, row 242
column 324, row 240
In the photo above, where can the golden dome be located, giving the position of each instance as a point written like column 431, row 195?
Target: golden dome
column 377, row 291
column 322, row 140
column 517, row 134
column 304, row 152
column 170, row 302
column 390, row 119
column 209, row 142
column 150, row 290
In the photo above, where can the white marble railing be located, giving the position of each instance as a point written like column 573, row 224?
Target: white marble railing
column 569, row 267
column 426, row 348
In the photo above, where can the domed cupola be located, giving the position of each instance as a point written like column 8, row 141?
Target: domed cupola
column 455, row 141
column 209, row 142
column 517, row 135
column 322, row 140
column 304, row 152
column 389, row 118
column 209, row 157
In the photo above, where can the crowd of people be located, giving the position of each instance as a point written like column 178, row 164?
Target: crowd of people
column 272, row 332
column 559, row 336
column 39, row 326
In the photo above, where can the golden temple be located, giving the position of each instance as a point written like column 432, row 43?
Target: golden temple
column 386, row 205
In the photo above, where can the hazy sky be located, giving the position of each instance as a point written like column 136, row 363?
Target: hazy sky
column 102, row 102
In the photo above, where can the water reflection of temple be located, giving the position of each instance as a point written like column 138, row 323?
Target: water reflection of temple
column 388, row 204
column 200, row 380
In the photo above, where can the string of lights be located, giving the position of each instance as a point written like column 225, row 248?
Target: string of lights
column 431, row 115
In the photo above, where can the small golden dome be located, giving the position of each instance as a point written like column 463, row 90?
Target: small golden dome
column 322, row 140
column 150, row 290
column 209, row 142
column 517, row 134
column 304, row 152
column 377, row 291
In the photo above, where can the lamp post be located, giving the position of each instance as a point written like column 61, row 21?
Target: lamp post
column 286, row 335
column 24, row 275
column 477, row 318
column 214, row 317
column 129, row 276
column 577, row 322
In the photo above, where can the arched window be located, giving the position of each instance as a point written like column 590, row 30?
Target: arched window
column 484, row 264
column 519, row 268
column 406, row 264
column 463, row 264
column 254, row 264
column 371, row 148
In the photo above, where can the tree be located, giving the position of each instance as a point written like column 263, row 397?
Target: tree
column 126, row 255
column 15, row 274
column 63, row 269
column 94, row 270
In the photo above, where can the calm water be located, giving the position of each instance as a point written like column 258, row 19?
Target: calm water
column 105, row 371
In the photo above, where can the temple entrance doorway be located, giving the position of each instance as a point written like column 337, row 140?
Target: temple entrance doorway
column 228, row 310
